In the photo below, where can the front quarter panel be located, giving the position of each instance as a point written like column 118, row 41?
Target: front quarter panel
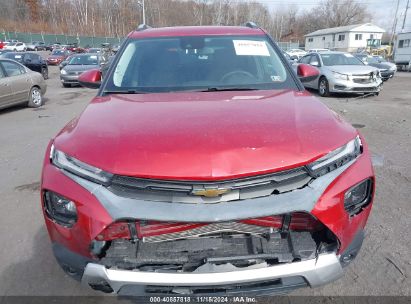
column 330, row 207
column 92, row 217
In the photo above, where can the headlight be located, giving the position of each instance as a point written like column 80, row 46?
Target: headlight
column 60, row 209
column 72, row 165
column 340, row 76
column 63, row 72
column 336, row 158
column 358, row 197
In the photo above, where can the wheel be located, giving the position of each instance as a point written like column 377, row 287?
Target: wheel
column 35, row 98
column 323, row 88
column 45, row 73
column 15, row 50
column 66, row 85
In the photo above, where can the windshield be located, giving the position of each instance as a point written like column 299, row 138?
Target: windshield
column 12, row 43
column 380, row 59
column 370, row 59
column 199, row 63
column 58, row 53
column 14, row 56
column 340, row 59
column 84, row 60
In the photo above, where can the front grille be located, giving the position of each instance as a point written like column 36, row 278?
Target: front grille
column 365, row 89
column 157, row 231
column 364, row 78
column 221, row 191
column 270, row 287
column 232, row 227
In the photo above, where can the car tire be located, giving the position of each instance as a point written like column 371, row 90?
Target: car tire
column 66, row 85
column 45, row 73
column 35, row 98
column 323, row 87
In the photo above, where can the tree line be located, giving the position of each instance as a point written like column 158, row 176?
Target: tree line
column 116, row 18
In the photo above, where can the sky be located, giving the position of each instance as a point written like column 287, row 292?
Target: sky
column 382, row 11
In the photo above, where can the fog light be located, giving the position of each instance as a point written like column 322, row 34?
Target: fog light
column 358, row 197
column 60, row 209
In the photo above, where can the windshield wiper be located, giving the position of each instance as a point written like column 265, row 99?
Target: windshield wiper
column 124, row 92
column 220, row 89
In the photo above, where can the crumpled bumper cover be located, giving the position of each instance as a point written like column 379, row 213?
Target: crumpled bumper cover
column 316, row 272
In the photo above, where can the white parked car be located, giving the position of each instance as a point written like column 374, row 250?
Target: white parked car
column 318, row 50
column 16, row 46
column 342, row 73
column 296, row 52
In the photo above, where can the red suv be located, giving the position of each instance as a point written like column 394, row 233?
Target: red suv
column 202, row 166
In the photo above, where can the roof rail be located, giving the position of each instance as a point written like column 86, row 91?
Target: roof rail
column 251, row 24
column 143, row 27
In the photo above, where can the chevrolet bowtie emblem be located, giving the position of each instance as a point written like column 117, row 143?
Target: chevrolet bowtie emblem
column 210, row 192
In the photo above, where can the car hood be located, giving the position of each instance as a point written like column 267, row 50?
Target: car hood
column 389, row 64
column 55, row 57
column 352, row 69
column 79, row 68
column 203, row 136
column 381, row 66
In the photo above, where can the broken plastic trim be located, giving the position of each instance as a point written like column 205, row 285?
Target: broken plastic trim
column 120, row 208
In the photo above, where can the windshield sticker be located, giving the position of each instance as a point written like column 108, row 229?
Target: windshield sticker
column 93, row 57
column 276, row 78
column 17, row 56
column 250, row 48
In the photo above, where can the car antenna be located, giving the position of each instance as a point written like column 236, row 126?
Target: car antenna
column 251, row 24
column 143, row 27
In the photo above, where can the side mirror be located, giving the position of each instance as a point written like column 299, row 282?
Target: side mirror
column 28, row 60
column 306, row 72
column 90, row 79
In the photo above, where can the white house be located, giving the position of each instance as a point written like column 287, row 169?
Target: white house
column 348, row 38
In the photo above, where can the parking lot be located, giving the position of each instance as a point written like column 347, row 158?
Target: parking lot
column 27, row 266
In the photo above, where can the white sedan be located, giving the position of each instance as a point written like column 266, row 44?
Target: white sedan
column 296, row 52
column 16, row 46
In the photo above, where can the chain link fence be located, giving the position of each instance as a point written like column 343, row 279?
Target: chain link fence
column 285, row 46
column 89, row 41
column 83, row 41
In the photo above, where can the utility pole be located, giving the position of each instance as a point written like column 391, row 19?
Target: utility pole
column 405, row 16
column 144, row 13
column 394, row 26
column 141, row 4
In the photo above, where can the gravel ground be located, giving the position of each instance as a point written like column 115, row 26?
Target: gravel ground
column 27, row 266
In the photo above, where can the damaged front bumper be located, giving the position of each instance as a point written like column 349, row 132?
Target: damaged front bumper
column 326, row 268
column 99, row 208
